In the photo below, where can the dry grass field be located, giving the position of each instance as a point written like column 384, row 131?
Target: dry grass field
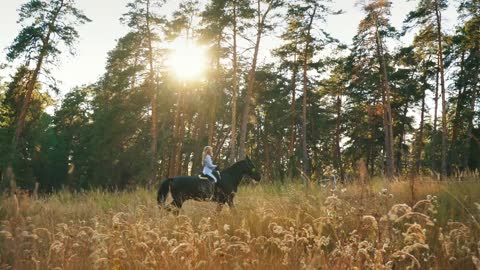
column 374, row 226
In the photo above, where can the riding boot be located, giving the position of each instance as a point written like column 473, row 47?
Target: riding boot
column 217, row 175
column 212, row 190
column 209, row 187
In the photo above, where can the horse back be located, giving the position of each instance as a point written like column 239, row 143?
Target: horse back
column 186, row 185
column 185, row 180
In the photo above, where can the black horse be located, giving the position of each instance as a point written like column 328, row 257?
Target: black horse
column 184, row 188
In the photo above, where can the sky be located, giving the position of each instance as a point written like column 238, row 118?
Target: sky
column 100, row 36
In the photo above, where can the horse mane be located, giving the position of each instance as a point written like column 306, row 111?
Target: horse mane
column 235, row 167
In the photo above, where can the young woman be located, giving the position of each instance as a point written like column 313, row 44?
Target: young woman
column 208, row 165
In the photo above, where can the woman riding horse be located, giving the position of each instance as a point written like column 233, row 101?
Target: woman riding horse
column 184, row 188
column 208, row 166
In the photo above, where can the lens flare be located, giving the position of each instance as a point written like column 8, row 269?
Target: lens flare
column 187, row 60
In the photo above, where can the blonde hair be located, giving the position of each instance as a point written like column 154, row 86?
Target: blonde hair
column 205, row 152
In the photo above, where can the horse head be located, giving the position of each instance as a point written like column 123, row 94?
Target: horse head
column 251, row 170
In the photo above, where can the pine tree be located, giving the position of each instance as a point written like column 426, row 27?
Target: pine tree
column 375, row 26
column 143, row 20
column 262, row 15
column 183, row 25
column 470, row 11
column 46, row 27
column 428, row 15
column 304, row 16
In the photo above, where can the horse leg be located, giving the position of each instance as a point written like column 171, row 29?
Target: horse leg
column 230, row 202
column 219, row 207
column 220, row 199
column 176, row 204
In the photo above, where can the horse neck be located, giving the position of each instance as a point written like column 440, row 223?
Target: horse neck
column 236, row 172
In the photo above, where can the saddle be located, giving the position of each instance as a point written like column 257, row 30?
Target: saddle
column 206, row 177
column 203, row 177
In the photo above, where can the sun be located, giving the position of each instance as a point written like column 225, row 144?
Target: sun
column 187, row 60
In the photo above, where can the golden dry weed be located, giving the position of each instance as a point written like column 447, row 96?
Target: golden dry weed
column 274, row 227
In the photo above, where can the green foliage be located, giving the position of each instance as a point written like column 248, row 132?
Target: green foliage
column 364, row 105
column 36, row 123
column 100, row 134
column 50, row 23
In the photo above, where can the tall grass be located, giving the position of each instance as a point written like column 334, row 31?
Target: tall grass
column 377, row 226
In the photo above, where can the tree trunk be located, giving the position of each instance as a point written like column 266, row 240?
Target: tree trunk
column 251, row 80
column 338, row 153
column 268, row 161
column 388, row 122
column 188, row 152
column 233, row 134
column 175, row 136
column 435, row 116
column 180, row 137
column 386, row 135
column 212, row 121
column 185, row 163
column 442, row 83
column 418, row 152
column 306, row 161
column 10, row 177
column 293, row 113
column 401, row 137
column 370, row 156
column 153, row 102
column 197, row 152
column 164, row 164
column 220, row 142
column 26, row 102
column 267, row 147
column 306, row 56
column 471, row 112
column 453, row 153
column 213, row 112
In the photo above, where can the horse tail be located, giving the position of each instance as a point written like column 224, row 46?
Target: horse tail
column 163, row 191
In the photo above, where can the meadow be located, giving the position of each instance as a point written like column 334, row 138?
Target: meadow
column 375, row 225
